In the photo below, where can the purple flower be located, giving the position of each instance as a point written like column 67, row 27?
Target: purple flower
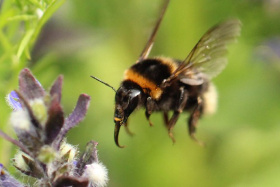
column 2, row 169
column 39, row 122
column 42, row 118
column 6, row 180
column 13, row 100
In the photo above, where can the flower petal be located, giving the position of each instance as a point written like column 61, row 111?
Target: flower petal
column 7, row 180
column 55, row 119
column 13, row 101
column 74, row 118
column 56, row 87
column 29, row 87
column 79, row 112
column 26, row 104
column 71, row 181
column 87, row 158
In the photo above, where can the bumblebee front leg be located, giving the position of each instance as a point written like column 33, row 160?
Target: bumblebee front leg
column 179, row 109
column 150, row 105
column 127, row 129
column 192, row 123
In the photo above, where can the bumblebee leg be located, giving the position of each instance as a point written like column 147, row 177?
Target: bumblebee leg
column 179, row 109
column 127, row 129
column 172, row 123
column 148, row 114
column 165, row 118
column 150, row 105
column 192, row 123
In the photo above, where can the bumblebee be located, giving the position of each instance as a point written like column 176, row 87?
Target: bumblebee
column 162, row 84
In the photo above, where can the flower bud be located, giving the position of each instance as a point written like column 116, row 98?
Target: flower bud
column 47, row 154
column 19, row 162
column 68, row 150
column 39, row 109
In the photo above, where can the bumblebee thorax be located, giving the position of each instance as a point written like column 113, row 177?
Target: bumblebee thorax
column 150, row 73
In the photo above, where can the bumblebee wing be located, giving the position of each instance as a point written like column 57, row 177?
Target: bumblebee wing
column 149, row 45
column 208, row 57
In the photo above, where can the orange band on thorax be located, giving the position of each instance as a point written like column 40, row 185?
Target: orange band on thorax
column 147, row 85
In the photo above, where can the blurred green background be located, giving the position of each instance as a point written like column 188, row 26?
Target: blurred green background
column 103, row 38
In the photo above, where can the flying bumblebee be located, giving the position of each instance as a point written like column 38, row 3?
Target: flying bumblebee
column 165, row 84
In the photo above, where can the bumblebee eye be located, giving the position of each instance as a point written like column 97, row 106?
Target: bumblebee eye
column 126, row 99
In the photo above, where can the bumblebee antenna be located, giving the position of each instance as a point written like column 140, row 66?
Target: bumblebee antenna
column 103, row 83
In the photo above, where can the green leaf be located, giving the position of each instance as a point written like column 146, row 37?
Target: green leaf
column 24, row 17
column 24, row 43
column 36, row 3
column 5, row 43
column 47, row 14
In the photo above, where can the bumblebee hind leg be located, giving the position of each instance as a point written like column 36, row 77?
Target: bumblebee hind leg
column 172, row 123
column 179, row 109
column 194, row 117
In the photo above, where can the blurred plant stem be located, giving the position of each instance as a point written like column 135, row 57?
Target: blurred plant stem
column 20, row 24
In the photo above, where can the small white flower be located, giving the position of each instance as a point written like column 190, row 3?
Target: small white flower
column 20, row 120
column 97, row 174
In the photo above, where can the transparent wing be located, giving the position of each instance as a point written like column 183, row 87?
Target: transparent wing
column 149, row 44
column 209, row 54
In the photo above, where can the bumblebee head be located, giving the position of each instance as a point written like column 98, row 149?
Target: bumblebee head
column 127, row 98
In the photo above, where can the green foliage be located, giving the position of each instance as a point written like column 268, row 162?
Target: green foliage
column 20, row 24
